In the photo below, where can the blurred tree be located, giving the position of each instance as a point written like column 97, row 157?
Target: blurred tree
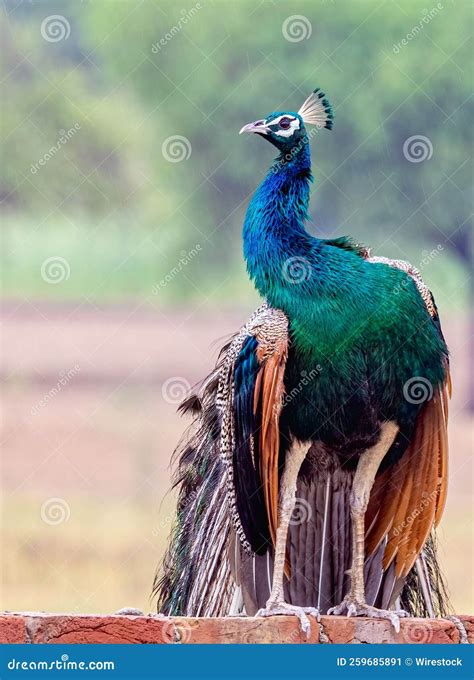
column 134, row 74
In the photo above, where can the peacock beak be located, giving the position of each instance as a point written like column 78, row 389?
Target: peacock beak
column 257, row 126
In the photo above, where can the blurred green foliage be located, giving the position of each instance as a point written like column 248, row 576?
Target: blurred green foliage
column 131, row 74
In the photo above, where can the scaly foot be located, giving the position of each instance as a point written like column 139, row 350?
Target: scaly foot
column 352, row 607
column 285, row 609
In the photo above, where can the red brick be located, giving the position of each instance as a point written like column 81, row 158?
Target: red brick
column 12, row 629
column 69, row 628
column 65, row 629
column 468, row 622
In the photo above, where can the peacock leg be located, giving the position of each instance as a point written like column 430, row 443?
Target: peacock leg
column 354, row 603
column 276, row 603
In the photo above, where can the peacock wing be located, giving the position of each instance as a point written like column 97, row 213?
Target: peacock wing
column 251, row 397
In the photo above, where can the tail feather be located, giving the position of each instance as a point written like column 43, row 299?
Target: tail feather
column 195, row 579
column 320, row 552
column 207, row 572
column 424, row 592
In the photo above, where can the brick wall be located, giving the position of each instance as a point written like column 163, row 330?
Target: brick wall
column 35, row 627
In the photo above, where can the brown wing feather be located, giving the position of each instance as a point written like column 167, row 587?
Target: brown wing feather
column 443, row 452
column 269, row 390
column 413, row 491
column 423, row 498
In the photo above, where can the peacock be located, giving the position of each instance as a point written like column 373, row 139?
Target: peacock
column 315, row 469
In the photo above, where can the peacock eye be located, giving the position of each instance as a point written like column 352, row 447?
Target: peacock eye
column 285, row 123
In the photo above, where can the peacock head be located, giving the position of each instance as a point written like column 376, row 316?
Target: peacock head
column 286, row 129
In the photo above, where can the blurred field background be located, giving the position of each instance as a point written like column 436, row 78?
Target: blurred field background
column 124, row 186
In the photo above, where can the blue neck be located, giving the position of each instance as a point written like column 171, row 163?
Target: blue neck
column 274, row 225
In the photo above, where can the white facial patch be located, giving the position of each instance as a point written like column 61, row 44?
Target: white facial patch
column 294, row 125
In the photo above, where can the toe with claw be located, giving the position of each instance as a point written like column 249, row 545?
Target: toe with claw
column 352, row 607
column 285, row 609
